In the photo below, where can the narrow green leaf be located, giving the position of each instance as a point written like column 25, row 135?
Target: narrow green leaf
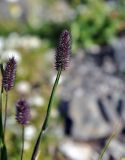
column 106, row 147
column 4, row 153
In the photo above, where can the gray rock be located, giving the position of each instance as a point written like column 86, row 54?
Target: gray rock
column 119, row 46
column 94, row 97
column 76, row 151
column 120, row 151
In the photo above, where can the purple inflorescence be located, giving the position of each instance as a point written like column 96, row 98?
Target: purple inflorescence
column 9, row 74
column 63, row 51
column 22, row 112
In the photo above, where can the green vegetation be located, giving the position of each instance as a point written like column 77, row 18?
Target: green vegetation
column 92, row 22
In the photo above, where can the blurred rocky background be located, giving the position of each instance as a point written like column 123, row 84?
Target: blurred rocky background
column 90, row 101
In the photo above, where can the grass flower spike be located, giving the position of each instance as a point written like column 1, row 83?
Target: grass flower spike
column 22, row 117
column 62, row 59
column 22, row 112
column 63, row 51
column 8, row 79
column 9, row 74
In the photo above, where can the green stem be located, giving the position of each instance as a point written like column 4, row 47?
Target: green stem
column 1, row 123
column 1, row 127
column 5, row 117
column 23, row 130
column 3, row 150
column 45, row 124
column 2, row 72
column 106, row 147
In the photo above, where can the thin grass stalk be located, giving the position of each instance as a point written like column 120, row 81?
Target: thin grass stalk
column 106, row 146
column 2, row 72
column 5, row 117
column 1, row 128
column 45, row 124
column 3, row 150
column 1, row 123
column 1, row 94
column 22, row 149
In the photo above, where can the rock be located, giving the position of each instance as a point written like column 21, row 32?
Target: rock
column 119, row 46
column 76, row 151
column 119, row 152
column 95, row 98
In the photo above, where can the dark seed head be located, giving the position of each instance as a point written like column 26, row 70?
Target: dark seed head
column 63, row 51
column 22, row 112
column 9, row 74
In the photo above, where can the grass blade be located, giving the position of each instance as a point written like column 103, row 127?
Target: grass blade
column 106, row 147
column 3, row 150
